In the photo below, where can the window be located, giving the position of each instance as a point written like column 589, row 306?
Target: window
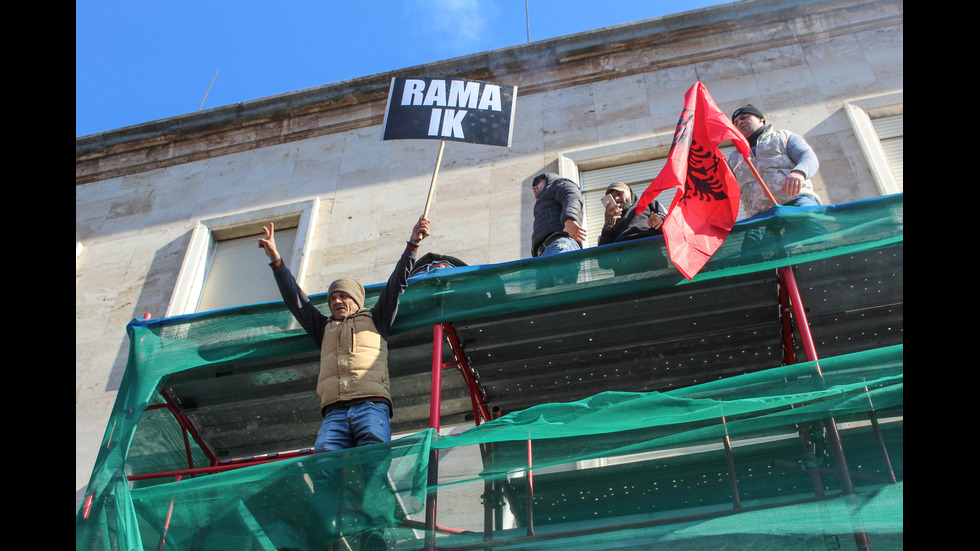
column 224, row 267
column 234, row 271
column 890, row 134
column 877, row 125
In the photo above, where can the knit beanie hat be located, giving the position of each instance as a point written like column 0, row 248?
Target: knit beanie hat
column 750, row 109
column 350, row 286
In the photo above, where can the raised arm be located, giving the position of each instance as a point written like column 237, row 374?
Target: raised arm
column 384, row 311
column 308, row 316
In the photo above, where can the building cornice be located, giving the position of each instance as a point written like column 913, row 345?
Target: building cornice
column 703, row 35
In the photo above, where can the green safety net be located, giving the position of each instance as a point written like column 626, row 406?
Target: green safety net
column 617, row 470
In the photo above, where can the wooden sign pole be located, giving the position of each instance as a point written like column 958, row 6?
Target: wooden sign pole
column 432, row 185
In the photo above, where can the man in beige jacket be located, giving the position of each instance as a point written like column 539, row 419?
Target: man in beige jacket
column 353, row 384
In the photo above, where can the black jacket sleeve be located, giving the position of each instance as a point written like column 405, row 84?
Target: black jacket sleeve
column 569, row 196
column 384, row 311
column 308, row 316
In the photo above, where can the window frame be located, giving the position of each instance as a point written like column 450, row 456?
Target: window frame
column 193, row 271
column 861, row 114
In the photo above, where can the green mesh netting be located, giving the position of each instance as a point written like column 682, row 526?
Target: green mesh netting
column 618, row 470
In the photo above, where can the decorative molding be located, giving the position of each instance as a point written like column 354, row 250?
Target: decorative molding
column 537, row 68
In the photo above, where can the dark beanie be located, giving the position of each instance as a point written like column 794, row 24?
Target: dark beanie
column 350, row 286
column 750, row 109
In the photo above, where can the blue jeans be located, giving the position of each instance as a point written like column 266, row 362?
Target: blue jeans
column 342, row 428
column 776, row 236
column 357, row 425
column 560, row 245
column 802, row 201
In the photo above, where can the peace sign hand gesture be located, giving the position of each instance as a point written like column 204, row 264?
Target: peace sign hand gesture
column 269, row 243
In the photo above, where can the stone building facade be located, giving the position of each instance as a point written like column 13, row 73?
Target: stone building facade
column 152, row 201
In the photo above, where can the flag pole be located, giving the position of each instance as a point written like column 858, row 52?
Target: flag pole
column 435, row 174
column 762, row 183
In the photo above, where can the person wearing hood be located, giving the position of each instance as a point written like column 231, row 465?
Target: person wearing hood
column 623, row 223
column 784, row 159
column 558, row 215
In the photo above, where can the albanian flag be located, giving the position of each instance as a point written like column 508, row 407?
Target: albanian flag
column 706, row 206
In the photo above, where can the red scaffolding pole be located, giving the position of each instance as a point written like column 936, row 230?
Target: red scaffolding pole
column 787, row 278
column 441, row 333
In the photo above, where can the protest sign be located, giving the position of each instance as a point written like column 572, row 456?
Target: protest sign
column 456, row 109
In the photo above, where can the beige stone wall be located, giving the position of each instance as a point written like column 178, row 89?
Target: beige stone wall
column 584, row 102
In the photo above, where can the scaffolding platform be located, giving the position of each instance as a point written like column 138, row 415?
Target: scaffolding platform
column 587, row 402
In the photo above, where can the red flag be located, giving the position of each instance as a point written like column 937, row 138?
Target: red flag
column 706, row 205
